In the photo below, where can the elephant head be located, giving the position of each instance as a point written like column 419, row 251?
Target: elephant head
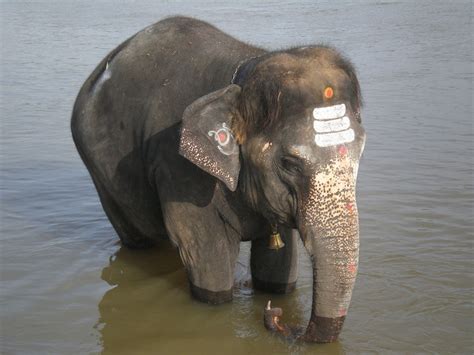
column 288, row 135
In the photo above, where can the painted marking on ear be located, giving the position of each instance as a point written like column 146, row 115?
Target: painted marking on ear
column 225, row 140
column 222, row 136
column 331, row 126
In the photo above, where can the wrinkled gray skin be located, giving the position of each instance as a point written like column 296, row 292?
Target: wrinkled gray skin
column 149, row 125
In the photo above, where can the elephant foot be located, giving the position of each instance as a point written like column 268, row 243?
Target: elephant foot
column 211, row 297
column 273, row 287
column 271, row 320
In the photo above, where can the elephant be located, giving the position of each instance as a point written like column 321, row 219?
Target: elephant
column 193, row 136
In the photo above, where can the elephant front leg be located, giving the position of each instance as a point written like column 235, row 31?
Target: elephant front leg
column 210, row 269
column 208, row 250
column 273, row 270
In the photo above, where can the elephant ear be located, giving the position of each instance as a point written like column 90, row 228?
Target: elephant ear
column 206, row 136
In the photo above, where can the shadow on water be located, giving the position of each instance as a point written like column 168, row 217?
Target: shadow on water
column 127, row 265
column 149, row 308
column 140, row 279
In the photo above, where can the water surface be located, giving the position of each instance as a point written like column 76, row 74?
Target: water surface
column 69, row 287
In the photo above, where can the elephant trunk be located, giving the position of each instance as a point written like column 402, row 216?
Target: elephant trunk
column 335, row 261
column 329, row 227
column 330, row 231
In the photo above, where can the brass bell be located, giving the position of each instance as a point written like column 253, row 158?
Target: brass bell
column 275, row 240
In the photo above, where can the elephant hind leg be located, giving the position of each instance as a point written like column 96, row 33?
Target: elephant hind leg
column 123, row 224
column 275, row 271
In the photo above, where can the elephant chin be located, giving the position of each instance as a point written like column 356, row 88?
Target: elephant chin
column 329, row 228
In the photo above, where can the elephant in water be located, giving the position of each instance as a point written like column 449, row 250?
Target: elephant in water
column 192, row 135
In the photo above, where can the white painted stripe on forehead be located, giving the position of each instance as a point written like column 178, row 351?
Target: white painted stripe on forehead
column 329, row 112
column 339, row 124
column 330, row 139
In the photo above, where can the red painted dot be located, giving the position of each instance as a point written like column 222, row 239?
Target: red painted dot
column 342, row 150
column 222, row 136
column 342, row 312
column 328, row 92
column 350, row 206
column 352, row 268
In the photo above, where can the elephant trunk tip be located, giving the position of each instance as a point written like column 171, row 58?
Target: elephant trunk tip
column 271, row 320
column 319, row 330
column 271, row 317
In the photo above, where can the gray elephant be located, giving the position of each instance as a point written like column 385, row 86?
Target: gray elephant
column 192, row 135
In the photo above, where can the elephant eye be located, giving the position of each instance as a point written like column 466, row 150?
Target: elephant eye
column 291, row 165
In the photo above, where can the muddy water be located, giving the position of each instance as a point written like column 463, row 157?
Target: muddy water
column 67, row 285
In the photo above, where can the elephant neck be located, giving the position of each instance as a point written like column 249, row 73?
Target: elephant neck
column 248, row 185
column 240, row 216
